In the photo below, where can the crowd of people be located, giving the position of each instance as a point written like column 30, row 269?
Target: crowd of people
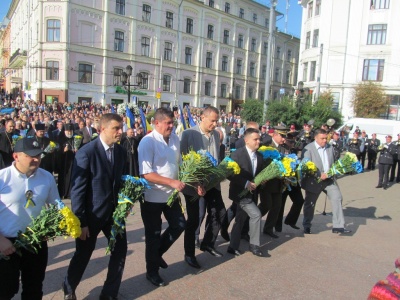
column 96, row 147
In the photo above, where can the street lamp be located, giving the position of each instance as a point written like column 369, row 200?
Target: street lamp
column 126, row 80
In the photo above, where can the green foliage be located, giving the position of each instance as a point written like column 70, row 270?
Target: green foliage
column 369, row 100
column 149, row 115
column 253, row 111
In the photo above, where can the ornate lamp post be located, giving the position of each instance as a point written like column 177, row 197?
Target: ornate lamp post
column 126, row 80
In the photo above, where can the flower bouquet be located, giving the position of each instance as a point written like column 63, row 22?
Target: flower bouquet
column 121, row 108
column 290, row 163
column 77, row 141
column 269, row 152
column 95, row 135
column 53, row 221
column 228, row 167
column 15, row 139
column 196, row 167
column 306, row 168
column 274, row 170
column 131, row 191
column 51, row 147
column 349, row 163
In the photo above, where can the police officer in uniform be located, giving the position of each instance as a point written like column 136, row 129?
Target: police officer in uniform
column 354, row 145
column 304, row 138
column 337, row 145
column 396, row 161
column 372, row 149
column 385, row 162
column 265, row 138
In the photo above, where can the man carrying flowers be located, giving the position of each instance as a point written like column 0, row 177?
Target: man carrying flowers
column 24, row 190
column 322, row 155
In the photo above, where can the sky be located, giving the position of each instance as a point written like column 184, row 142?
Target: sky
column 294, row 15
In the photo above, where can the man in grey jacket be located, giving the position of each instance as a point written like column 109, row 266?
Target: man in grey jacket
column 322, row 155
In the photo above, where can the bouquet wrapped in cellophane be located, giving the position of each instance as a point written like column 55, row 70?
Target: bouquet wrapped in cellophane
column 131, row 191
column 196, row 167
column 349, row 163
column 51, row 147
column 53, row 221
column 228, row 167
column 269, row 152
column 77, row 141
column 274, row 170
column 306, row 168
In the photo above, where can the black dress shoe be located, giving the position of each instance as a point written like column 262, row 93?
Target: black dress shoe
column 211, row 250
column 292, row 225
column 271, row 234
column 245, row 237
column 67, row 296
column 378, row 186
column 234, row 252
column 192, row 261
column 307, row 230
column 340, row 230
column 255, row 250
column 155, row 279
column 385, row 187
column 225, row 235
column 104, row 297
column 163, row 264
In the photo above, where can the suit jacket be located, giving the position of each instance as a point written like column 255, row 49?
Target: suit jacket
column 310, row 183
column 95, row 185
column 86, row 136
column 238, row 182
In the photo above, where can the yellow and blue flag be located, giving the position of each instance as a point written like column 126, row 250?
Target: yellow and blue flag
column 130, row 118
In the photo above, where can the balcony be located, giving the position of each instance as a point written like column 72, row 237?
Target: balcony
column 18, row 59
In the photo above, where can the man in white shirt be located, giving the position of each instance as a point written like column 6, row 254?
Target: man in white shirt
column 17, row 209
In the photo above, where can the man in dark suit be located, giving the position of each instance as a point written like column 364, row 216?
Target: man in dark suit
column 96, row 174
column 87, row 131
column 55, row 134
column 251, row 163
column 321, row 153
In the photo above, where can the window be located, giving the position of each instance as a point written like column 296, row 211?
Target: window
column 287, row 81
column 224, row 63
column 223, row 90
column 53, row 30
column 238, row 92
column 120, row 7
column 240, row 41
column 119, row 41
column 252, row 69
column 241, row 13
column 308, row 39
column 52, row 70
column 310, row 9
column 166, row 83
column 276, row 78
column 169, row 21
column 278, row 52
column 145, row 46
column 250, row 93
column 238, row 66
column 266, row 22
column 146, row 14
column 186, row 86
column 117, row 80
column 380, row 4
column 209, row 60
column 377, row 34
column 264, row 72
column 226, row 37
column 265, row 49
column 210, row 32
column 373, row 69
column 262, row 94
column 145, row 81
column 317, row 7
column 85, row 73
column 188, row 55
column 189, row 25
column 255, row 18
column 207, row 88
column 312, row 70
column 253, row 44
column 211, row 3
column 305, row 71
column 168, row 51
column 315, row 38
column 227, row 7
column 289, row 55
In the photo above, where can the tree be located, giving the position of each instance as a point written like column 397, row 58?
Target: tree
column 252, row 111
column 282, row 111
column 369, row 100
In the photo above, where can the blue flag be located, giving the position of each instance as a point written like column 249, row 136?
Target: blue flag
column 112, row 109
column 142, row 116
column 182, row 118
column 192, row 123
column 134, row 99
column 130, row 118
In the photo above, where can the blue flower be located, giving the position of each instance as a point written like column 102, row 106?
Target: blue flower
column 357, row 167
column 60, row 204
column 209, row 156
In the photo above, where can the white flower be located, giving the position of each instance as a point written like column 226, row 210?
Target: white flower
column 121, row 109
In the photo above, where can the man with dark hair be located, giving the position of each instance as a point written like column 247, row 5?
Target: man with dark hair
column 321, row 153
column 387, row 150
column 373, row 146
column 6, row 143
column 97, row 172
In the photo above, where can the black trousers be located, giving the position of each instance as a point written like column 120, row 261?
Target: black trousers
column 215, row 215
column 156, row 243
column 83, row 252
column 396, row 163
column 270, row 203
column 361, row 158
column 383, row 174
column 372, row 160
column 298, row 200
column 31, row 267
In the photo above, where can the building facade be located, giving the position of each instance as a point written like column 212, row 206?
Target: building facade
column 181, row 52
column 345, row 42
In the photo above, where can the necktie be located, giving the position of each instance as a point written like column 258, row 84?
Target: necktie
column 110, row 156
column 254, row 163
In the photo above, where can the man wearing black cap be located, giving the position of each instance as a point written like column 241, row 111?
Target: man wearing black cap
column 385, row 162
column 23, row 176
column 66, row 154
column 372, row 146
column 47, row 160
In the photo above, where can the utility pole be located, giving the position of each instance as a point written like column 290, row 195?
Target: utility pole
column 318, row 87
column 271, row 29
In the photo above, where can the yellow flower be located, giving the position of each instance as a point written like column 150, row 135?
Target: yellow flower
column 70, row 223
column 311, row 166
column 234, row 166
column 352, row 156
column 286, row 161
column 266, row 148
column 52, row 144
